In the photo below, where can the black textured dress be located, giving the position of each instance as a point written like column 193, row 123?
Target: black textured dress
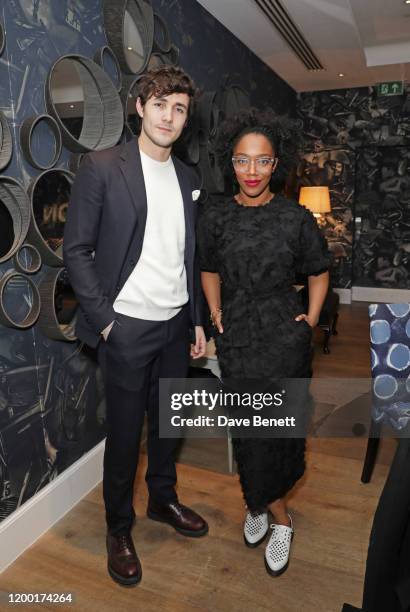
column 257, row 252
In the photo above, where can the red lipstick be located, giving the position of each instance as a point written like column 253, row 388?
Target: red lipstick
column 253, row 183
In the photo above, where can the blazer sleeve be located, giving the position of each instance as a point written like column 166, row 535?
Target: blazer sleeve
column 199, row 309
column 199, row 295
column 80, row 239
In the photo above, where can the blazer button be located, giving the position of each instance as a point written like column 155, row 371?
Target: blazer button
column 118, row 287
column 132, row 262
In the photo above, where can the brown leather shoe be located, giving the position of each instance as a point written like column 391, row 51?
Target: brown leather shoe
column 123, row 564
column 183, row 519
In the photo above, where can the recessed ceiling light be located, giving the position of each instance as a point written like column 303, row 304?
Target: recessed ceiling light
column 406, row 1
column 71, row 105
column 129, row 48
column 341, row 74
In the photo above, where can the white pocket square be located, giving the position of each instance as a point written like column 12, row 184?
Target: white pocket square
column 196, row 194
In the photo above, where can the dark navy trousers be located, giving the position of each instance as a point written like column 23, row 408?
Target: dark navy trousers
column 135, row 356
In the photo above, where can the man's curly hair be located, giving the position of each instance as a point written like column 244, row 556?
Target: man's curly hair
column 284, row 134
column 164, row 81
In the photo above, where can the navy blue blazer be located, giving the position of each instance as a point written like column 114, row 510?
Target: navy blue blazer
column 104, row 232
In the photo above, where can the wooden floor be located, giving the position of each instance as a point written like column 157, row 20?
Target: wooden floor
column 332, row 513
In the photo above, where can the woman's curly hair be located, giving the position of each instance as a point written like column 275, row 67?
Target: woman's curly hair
column 284, row 134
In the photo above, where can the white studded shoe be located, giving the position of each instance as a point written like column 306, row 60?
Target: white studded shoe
column 278, row 548
column 255, row 528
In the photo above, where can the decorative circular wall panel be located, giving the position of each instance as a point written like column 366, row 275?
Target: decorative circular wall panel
column 129, row 27
column 85, row 103
column 14, row 216
column 27, row 259
column 19, row 300
column 162, row 39
column 173, row 55
column 187, row 146
column 49, row 194
column 156, row 60
column 105, row 58
column 6, row 230
column 58, row 305
column 129, row 96
column 208, row 116
column 28, row 132
column 2, row 38
column 6, row 142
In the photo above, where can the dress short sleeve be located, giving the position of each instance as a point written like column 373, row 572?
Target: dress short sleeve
column 206, row 242
column 314, row 256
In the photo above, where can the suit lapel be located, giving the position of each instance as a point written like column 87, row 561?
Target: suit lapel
column 130, row 165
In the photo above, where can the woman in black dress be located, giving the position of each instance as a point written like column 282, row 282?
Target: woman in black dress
column 251, row 247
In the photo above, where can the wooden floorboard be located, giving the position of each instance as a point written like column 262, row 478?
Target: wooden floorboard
column 332, row 513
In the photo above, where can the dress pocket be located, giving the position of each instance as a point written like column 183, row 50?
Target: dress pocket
column 306, row 324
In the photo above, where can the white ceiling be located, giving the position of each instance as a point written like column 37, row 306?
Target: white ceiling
column 367, row 40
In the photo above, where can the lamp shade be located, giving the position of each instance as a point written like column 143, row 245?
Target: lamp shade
column 316, row 199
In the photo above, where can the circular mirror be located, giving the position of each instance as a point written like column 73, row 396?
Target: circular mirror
column 129, row 96
column 129, row 26
column 40, row 141
column 162, row 39
column 19, row 300
column 85, row 103
column 173, row 56
column 188, row 144
column 50, row 195
column 27, row 259
column 156, row 60
column 14, row 216
column 208, row 115
column 105, row 58
column 2, row 39
column 6, row 143
column 59, row 305
column 6, row 231
column 133, row 36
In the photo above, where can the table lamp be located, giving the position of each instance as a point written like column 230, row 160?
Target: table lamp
column 317, row 200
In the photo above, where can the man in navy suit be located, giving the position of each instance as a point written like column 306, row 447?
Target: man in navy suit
column 129, row 247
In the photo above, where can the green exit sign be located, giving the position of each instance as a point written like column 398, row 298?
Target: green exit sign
column 393, row 88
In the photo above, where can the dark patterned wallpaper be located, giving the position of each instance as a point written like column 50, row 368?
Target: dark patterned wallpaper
column 51, row 398
column 356, row 144
column 51, row 402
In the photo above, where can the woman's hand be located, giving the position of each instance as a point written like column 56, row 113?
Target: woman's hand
column 199, row 348
column 309, row 319
column 216, row 319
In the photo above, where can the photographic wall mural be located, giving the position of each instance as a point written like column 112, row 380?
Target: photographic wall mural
column 68, row 76
column 355, row 144
column 382, row 218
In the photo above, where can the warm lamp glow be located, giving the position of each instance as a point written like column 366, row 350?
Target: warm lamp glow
column 316, row 199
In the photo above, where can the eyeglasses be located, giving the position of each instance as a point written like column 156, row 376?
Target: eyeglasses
column 243, row 164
